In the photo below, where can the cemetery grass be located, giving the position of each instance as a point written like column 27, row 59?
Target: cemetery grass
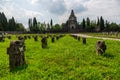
column 66, row 59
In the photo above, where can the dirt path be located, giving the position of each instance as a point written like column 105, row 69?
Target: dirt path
column 87, row 36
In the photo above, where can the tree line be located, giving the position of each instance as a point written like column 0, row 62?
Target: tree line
column 87, row 25
column 99, row 25
column 34, row 26
column 9, row 25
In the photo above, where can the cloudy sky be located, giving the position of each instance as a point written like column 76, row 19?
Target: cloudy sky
column 59, row 10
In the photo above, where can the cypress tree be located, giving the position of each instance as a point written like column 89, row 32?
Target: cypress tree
column 102, row 26
column 83, row 24
column 98, row 22
column 51, row 23
column 35, row 27
column 30, row 24
column 88, row 22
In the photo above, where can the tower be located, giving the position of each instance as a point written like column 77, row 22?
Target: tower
column 72, row 23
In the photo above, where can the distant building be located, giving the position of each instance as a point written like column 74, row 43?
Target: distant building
column 71, row 25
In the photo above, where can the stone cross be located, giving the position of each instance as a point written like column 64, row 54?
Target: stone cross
column 16, row 54
column 44, row 42
column 35, row 38
column 53, row 39
column 83, row 40
column 100, row 47
column 2, row 39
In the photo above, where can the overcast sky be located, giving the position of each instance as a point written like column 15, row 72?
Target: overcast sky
column 59, row 10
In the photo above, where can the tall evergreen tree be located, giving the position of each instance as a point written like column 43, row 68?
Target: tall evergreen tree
column 98, row 22
column 88, row 22
column 35, row 27
column 12, row 24
column 51, row 23
column 102, row 26
column 83, row 24
column 30, row 24
column 3, row 21
column 34, row 21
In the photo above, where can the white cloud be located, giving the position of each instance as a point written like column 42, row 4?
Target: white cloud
column 34, row 1
column 59, row 10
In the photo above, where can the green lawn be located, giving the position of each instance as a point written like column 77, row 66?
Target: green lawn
column 66, row 59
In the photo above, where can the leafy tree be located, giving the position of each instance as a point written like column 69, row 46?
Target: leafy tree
column 20, row 27
column 48, row 27
column 56, row 28
column 107, row 26
column 41, row 27
column 114, row 27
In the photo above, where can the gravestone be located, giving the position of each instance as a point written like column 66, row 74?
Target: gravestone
column 9, row 37
column 29, row 37
column 44, row 42
column 25, row 37
column 52, row 39
column 100, row 47
column 57, row 37
column 20, row 38
column 83, row 40
column 35, row 38
column 2, row 37
column 78, row 38
column 16, row 54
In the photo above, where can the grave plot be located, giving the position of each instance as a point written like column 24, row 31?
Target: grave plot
column 67, row 58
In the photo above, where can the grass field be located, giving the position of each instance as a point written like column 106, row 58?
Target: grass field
column 66, row 59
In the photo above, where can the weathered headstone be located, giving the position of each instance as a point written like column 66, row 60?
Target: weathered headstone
column 36, row 38
column 9, row 37
column 83, row 40
column 53, row 39
column 2, row 37
column 25, row 37
column 20, row 38
column 100, row 47
column 29, row 37
column 16, row 54
column 78, row 38
column 57, row 37
column 44, row 42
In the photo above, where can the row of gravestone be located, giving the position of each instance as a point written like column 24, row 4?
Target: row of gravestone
column 111, row 34
column 17, row 48
column 78, row 38
column 100, row 44
column 43, row 38
column 2, row 38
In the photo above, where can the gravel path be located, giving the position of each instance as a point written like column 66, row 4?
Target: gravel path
column 87, row 36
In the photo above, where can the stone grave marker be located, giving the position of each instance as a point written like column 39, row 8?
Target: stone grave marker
column 16, row 54
column 100, row 47
column 83, row 40
column 44, row 42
